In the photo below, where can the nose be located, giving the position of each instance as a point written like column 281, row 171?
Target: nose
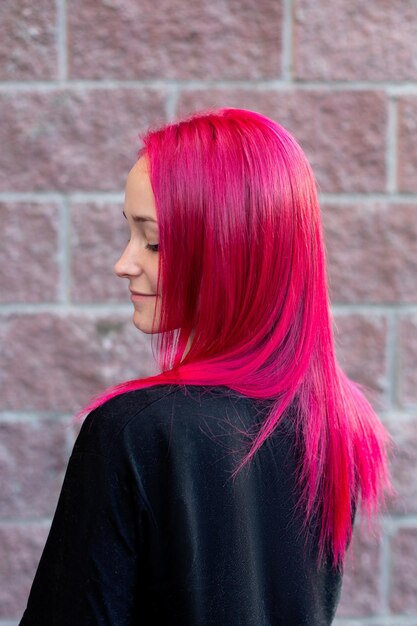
column 128, row 264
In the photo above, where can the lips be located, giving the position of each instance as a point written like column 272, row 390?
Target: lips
column 139, row 293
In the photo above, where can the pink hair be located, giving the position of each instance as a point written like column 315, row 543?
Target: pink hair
column 242, row 265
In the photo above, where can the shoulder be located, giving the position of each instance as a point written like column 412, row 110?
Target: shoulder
column 102, row 426
column 145, row 413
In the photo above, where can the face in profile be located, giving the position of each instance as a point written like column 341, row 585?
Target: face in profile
column 139, row 261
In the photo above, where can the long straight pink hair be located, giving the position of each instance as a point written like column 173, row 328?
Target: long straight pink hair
column 242, row 265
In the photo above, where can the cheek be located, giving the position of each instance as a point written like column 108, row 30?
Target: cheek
column 154, row 273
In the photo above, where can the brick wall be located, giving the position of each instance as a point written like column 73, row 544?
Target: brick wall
column 78, row 80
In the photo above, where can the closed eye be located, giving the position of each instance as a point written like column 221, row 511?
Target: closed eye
column 153, row 247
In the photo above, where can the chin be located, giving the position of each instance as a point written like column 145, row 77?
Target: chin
column 143, row 325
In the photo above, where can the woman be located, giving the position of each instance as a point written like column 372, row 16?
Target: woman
column 224, row 489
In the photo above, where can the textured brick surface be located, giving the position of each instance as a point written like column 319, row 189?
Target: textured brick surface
column 403, row 463
column 403, row 597
column 360, row 590
column 372, row 252
column 21, row 548
column 407, row 143
column 77, row 139
column 361, row 347
column 52, row 362
column 33, row 457
column 181, row 39
column 342, row 133
column 99, row 236
column 383, row 621
column 407, row 348
column 29, row 252
column 28, row 41
column 359, row 40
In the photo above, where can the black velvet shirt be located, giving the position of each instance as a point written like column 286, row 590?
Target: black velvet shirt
column 151, row 529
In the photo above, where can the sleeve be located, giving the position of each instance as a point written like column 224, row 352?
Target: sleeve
column 88, row 573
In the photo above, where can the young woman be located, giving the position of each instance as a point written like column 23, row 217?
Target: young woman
column 223, row 490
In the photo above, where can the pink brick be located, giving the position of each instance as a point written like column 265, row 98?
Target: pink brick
column 403, row 464
column 21, row 548
column 382, row 621
column 342, row 132
column 372, row 252
column 364, row 40
column 361, row 347
column 240, row 39
column 407, row 144
column 403, row 588
column 28, row 255
column 58, row 362
column 407, row 348
column 73, row 139
column 360, row 594
column 99, row 236
column 28, row 40
column 33, row 457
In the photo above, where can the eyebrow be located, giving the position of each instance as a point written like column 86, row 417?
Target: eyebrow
column 141, row 218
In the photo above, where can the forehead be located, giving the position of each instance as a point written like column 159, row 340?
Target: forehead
column 139, row 198
column 142, row 164
column 140, row 169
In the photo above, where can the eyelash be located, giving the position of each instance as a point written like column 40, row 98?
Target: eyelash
column 152, row 247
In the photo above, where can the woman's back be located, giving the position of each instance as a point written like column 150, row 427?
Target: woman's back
column 148, row 491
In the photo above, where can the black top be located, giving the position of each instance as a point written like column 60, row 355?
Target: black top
column 150, row 528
